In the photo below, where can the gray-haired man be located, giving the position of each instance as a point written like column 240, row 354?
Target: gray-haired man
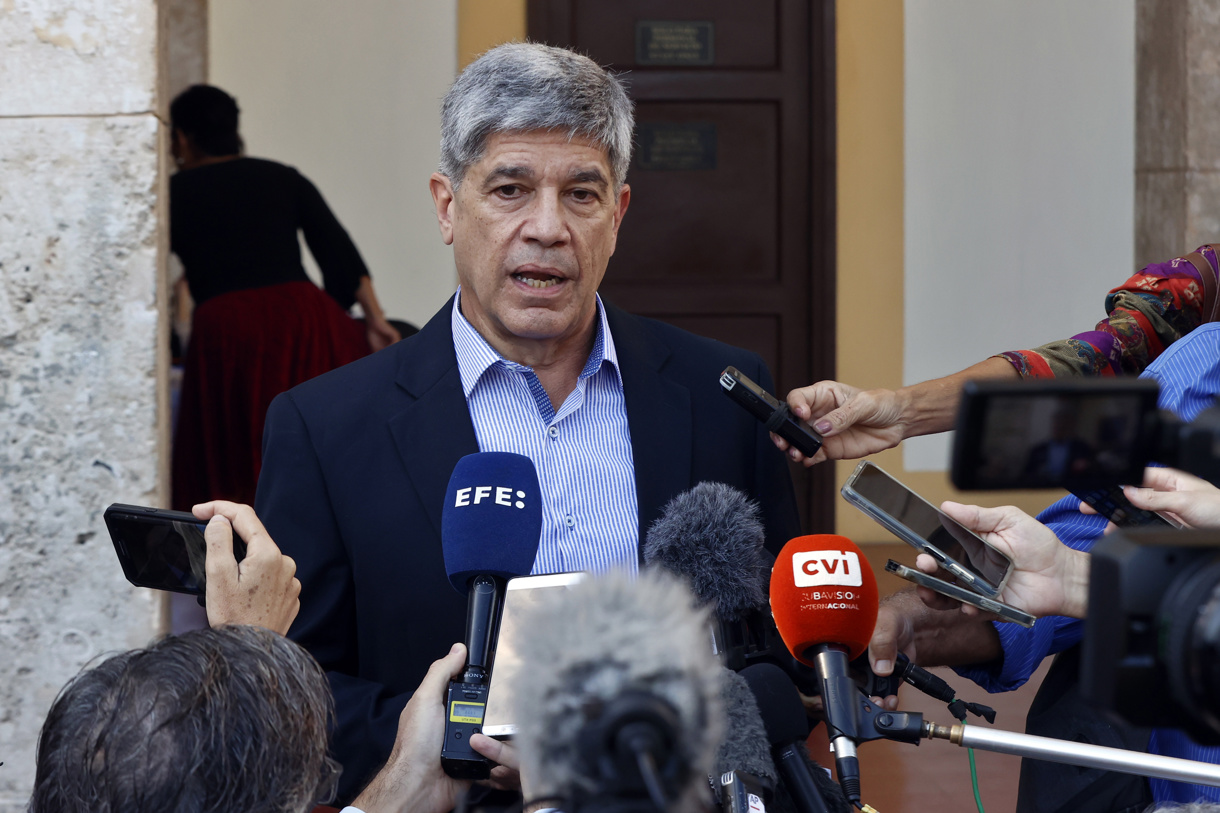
column 619, row 414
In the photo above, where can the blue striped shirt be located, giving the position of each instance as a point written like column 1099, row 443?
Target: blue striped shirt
column 1189, row 374
column 590, row 512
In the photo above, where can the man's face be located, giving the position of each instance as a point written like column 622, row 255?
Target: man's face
column 532, row 226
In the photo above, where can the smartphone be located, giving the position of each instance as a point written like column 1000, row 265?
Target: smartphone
column 923, row 526
column 770, row 411
column 520, row 595
column 161, row 549
column 1113, row 504
column 956, row 591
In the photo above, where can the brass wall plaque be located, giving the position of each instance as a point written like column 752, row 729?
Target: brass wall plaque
column 674, row 42
column 665, row 146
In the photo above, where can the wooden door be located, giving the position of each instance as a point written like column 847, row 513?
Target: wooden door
column 730, row 233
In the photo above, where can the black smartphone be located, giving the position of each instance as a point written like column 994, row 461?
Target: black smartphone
column 1113, row 504
column 1080, row 435
column 956, row 591
column 770, row 410
column 975, row 563
column 161, row 549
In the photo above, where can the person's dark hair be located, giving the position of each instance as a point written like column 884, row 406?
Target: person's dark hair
column 230, row 720
column 208, row 116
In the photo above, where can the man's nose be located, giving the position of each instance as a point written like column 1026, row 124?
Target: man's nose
column 546, row 221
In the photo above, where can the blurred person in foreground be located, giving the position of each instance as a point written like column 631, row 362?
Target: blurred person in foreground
column 234, row 718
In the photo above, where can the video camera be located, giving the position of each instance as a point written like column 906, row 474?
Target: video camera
column 1151, row 649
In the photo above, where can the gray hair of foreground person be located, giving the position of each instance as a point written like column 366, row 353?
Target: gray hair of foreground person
column 521, row 87
column 231, row 719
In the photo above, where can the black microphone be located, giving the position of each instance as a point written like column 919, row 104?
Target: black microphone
column 783, row 715
column 744, row 767
column 622, row 709
column 490, row 527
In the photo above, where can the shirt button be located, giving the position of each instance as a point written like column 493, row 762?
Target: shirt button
column 553, row 431
column 569, row 520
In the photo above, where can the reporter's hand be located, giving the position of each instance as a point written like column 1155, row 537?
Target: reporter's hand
column 412, row 780
column 1191, row 501
column 507, row 773
column 853, row 423
column 262, row 588
column 1048, row 577
column 894, row 633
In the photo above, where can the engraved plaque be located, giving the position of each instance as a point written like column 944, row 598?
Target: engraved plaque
column 676, row 43
column 664, row 146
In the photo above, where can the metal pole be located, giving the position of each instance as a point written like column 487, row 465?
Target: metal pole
column 1074, row 753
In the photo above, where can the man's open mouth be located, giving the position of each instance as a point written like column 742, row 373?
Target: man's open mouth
column 537, row 279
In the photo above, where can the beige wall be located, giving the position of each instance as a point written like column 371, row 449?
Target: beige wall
column 349, row 93
column 484, row 24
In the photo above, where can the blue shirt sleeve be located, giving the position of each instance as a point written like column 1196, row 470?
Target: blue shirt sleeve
column 1025, row 648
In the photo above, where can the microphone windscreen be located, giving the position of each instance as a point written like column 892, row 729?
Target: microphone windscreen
column 712, row 536
column 779, row 703
column 594, row 641
column 823, row 592
column 492, row 519
column 745, row 746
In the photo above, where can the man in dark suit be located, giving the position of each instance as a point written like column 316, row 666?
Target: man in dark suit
column 618, row 413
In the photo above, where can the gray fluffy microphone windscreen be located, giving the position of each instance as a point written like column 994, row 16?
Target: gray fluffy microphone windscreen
column 712, row 536
column 745, row 746
column 597, row 641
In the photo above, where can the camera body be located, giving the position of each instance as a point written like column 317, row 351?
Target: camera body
column 1150, row 643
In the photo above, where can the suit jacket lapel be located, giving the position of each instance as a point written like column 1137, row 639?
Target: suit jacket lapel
column 435, row 430
column 658, row 415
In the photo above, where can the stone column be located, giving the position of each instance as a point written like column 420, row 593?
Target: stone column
column 1177, row 131
column 83, row 417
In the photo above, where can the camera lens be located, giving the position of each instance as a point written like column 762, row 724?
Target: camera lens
column 1190, row 650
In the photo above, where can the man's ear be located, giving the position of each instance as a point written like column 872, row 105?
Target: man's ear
column 620, row 211
column 443, row 198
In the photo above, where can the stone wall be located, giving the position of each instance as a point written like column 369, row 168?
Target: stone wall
column 1177, row 133
column 82, row 364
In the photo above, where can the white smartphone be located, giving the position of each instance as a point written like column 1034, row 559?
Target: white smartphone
column 976, row 564
column 956, row 591
column 520, row 594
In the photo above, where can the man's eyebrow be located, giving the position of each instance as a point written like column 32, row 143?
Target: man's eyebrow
column 508, row 173
column 593, row 176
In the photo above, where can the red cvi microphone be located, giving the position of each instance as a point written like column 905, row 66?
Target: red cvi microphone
column 824, row 600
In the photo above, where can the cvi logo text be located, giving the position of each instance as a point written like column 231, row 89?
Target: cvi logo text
column 500, row 495
column 822, row 568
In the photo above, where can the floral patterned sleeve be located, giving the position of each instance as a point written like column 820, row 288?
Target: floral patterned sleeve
column 1147, row 313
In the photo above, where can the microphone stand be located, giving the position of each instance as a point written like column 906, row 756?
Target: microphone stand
column 1074, row 753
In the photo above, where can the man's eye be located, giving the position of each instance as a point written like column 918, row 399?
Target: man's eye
column 584, row 195
column 508, row 191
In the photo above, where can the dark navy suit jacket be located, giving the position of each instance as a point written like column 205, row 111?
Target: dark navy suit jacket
column 355, row 466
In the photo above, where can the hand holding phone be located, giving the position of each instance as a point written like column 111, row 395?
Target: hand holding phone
column 1048, row 578
column 261, row 589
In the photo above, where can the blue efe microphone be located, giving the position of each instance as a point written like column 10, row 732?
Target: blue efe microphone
column 490, row 527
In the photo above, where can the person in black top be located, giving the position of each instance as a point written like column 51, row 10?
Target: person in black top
column 260, row 326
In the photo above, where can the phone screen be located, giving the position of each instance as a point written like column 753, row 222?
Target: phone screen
column 929, row 524
column 521, row 594
column 163, row 550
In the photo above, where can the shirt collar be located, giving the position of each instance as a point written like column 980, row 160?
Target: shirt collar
column 475, row 356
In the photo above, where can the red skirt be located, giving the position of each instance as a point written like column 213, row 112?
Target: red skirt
column 247, row 347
